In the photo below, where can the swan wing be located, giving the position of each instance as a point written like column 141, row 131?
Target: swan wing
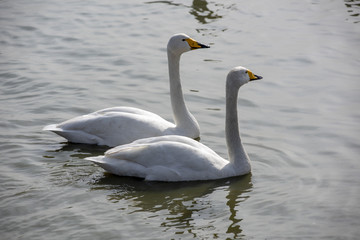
column 112, row 126
column 127, row 110
column 175, row 139
column 159, row 159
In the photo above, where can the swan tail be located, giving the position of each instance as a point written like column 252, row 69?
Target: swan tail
column 98, row 159
column 132, row 169
column 119, row 167
column 75, row 136
column 52, row 127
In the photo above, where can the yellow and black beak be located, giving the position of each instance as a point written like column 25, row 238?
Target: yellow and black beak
column 194, row 44
column 253, row 76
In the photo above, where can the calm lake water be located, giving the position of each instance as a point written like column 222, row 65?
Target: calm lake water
column 300, row 124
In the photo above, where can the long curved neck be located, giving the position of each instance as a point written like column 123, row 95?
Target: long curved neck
column 237, row 154
column 184, row 120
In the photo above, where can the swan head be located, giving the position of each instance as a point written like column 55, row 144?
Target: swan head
column 239, row 76
column 180, row 43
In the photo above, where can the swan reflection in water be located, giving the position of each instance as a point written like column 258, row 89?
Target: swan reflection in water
column 184, row 207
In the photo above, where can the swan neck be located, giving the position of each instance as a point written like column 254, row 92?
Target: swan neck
column 237, row 154
column 184, row 120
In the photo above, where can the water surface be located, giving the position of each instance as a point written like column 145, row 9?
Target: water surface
column 300, row 124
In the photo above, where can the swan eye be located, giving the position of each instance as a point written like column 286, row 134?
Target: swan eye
column 183, row 39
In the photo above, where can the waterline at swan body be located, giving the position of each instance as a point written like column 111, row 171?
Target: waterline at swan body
column 177, row 158
column 121, row 125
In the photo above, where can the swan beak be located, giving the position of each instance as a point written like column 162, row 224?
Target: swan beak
column 194, row 44
column 253, row 76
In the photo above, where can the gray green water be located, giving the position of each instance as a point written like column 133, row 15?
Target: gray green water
column 300, row 124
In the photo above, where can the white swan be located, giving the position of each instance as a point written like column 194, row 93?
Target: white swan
column 178, row 158
column 120, row 125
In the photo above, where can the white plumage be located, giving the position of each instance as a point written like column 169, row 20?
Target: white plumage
column 121, row 125
column 178, row 158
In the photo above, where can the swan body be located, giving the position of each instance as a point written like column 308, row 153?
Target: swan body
column 178, row 158
column 120, row 125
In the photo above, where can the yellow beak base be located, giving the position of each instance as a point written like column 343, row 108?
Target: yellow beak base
column 253, row 76
column 194, row 44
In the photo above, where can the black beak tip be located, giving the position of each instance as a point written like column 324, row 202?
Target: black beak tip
column 257, row 77
column 204, row 46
